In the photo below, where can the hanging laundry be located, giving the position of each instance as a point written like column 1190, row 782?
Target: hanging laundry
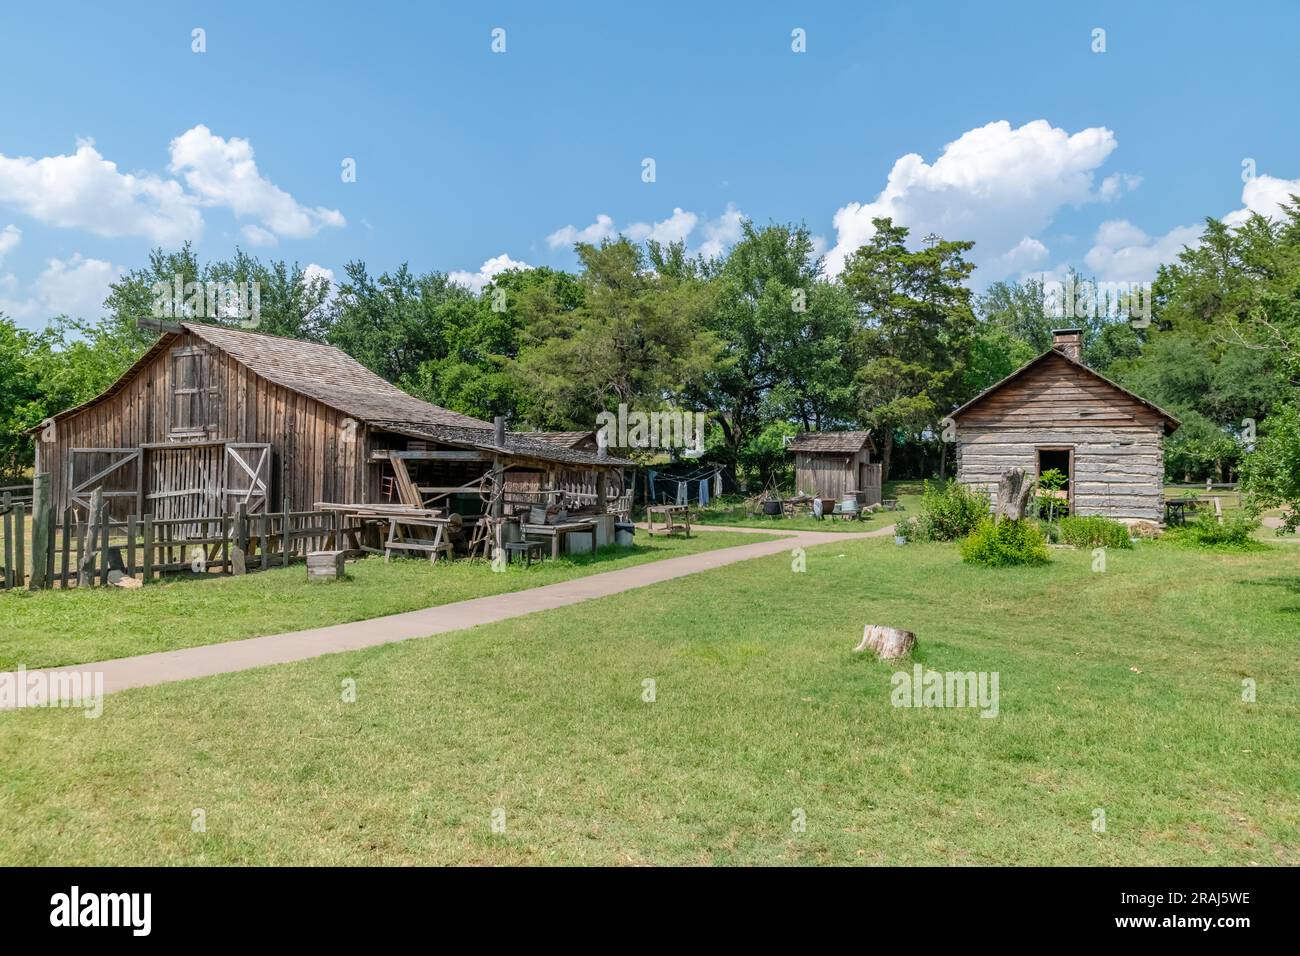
column 717, row 483
column 681, row 493
column 704, row 492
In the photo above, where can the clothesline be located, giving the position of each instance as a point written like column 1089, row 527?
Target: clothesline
column 681, row 486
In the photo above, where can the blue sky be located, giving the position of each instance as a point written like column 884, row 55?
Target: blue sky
column 117, row 137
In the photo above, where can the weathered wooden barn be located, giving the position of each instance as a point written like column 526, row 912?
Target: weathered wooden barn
column 833, row 464
column 1055, row 412
column 212, row 417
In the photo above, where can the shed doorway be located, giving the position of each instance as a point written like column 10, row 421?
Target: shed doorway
column 1059, row 458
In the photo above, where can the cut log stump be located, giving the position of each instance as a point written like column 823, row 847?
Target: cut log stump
column 1013, row 494
column 888, row 643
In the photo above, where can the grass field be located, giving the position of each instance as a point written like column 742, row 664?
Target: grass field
column 736, row 514
column 1120, row 692
column 46, row 628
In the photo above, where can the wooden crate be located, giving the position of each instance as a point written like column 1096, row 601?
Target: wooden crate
column 325, row 565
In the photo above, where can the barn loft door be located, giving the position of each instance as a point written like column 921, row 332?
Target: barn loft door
column 248, row 476
column 116, row 470
column 194, row 395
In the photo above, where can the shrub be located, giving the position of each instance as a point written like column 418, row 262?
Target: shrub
column 948, row 512
column 1095, row 531
column 1046, row 500
column 1005, row 544
column 1206, row 532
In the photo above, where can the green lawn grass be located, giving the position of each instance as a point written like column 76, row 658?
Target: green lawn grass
column 47, row 628
column 1119, row 691
column 739, row 515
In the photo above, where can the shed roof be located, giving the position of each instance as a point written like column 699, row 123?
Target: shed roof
column 518, row 444
column 842, row 443
column 1170, row 423
column 567, row 439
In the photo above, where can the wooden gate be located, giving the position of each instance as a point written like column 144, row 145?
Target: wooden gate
column 185, row 480
column 117, row 471
column 248, row 477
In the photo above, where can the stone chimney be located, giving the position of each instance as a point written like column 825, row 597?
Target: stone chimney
column 1070, row 342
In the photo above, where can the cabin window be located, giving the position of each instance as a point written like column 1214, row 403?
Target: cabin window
column 194, row 402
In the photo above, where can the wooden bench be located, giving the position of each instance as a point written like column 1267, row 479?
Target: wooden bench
column 670, row 515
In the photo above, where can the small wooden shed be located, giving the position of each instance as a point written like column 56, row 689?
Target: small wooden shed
column 835, row 464
column 1055, row 412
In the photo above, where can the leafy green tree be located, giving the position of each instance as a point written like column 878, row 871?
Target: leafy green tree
column 786, row 339
column 636, row 336
column 1271, row 473
column 396, row 322
column 917, row 324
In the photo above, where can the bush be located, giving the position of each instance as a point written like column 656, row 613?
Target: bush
column 1206, row 532
column 948, row 512
column 1005, row 544
column 1095, row 532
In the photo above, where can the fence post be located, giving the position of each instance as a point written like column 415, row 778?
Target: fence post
column 69, row 529
column 266, row 540
column 148, row 547
column 130, row 546
column 105, row 526
column 286, row 537
column 240, row 531
column 42, row 515
column 20, row 539
column 87, row 542
column 6, row 510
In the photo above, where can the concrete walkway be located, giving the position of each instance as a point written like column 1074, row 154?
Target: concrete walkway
column 191, row 662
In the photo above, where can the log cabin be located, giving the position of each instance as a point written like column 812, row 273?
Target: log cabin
column 836, row 464
column 213, row 417
column 1055, row 412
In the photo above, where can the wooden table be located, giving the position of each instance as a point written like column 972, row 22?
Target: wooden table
column 557, row 531
column 670, row 514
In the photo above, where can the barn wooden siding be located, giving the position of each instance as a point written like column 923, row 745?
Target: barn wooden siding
column 1116, row 439
column 319, row 451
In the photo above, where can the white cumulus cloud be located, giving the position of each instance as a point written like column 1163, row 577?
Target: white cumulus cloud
column 222, row 172
column 673, row 229
column 1122, row 252
column 475, row 281
column 86, row 191
column 722, row 233
column 995, row 185
column 602, row 228
column 10, row 236
column 74, row 287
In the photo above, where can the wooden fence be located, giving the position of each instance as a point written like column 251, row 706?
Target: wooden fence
column 87, row 547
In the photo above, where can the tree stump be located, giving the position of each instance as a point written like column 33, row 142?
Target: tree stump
column 888, row 643
column 1013, row 494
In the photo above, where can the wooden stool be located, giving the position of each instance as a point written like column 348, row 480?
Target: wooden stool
column 527, row 549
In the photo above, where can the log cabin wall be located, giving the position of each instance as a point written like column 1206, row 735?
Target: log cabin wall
column 318, row 453
column 1118, row 452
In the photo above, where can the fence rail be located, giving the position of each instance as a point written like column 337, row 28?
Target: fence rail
column 86, row 547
